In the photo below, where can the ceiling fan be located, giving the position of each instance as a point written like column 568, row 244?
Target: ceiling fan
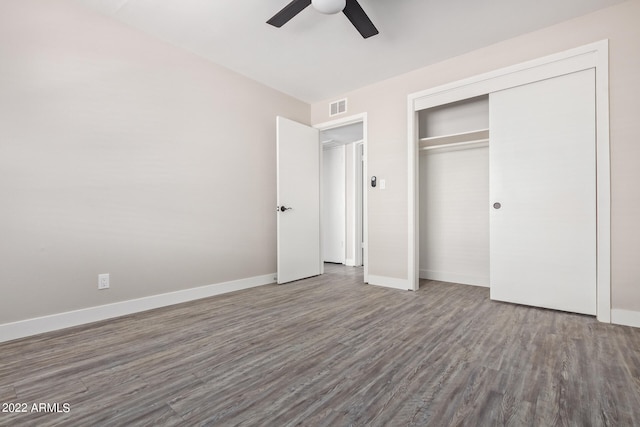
column 351, row 8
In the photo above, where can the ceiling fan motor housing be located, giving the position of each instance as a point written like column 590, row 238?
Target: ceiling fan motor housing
column 329, row 7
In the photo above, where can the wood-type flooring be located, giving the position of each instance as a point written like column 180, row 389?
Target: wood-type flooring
column 329, row 351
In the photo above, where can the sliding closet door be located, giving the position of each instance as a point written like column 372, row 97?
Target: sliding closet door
column 543, row 194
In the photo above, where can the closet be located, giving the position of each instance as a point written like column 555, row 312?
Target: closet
column 454, row 192
column 507, row 183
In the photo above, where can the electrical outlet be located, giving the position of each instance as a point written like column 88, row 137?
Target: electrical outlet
column 103, row 281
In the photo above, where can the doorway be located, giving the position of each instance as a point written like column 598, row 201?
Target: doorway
column 343, row 197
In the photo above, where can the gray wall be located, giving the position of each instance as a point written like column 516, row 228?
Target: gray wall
column 121, row 154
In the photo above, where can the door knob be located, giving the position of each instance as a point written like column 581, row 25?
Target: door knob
column 282, row 209
column 497, row 205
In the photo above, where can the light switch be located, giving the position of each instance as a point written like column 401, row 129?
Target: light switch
column 383, row 184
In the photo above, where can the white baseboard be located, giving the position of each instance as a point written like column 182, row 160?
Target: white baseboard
column 625, row 317
column 445, row 276
column 54, row 322
column 388, row 282
column 349, row 262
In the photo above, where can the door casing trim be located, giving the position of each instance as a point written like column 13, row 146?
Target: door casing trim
column 343, row 121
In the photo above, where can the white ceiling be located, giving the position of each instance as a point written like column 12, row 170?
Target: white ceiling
column 317, row 57
column 342, row 135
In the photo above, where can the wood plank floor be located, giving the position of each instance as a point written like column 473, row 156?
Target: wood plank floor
column 331, row 351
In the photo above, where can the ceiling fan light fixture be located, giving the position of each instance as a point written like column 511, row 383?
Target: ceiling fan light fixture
column 329, row 7
column 351, row 9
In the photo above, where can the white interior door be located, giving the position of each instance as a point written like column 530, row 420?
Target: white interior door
column 333, row 204
column 543, row 175
column 298, row 201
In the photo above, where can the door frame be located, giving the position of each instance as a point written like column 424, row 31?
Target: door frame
column 594, row 55
column 358, row 203
column 357, row 118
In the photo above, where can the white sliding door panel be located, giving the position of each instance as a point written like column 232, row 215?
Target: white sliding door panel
column 543, row 174
column 298, row 193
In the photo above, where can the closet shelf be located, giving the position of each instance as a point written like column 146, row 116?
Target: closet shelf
column 456, row 138
column 455, row 146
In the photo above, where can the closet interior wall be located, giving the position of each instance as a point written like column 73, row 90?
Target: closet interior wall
column 454, row 192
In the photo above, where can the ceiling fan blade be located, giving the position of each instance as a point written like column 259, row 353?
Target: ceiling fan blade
column 288, row 12
column 359, row 19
